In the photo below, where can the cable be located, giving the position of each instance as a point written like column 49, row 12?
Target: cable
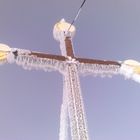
column 78, row 13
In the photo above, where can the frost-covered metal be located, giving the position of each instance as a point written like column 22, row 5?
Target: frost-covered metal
column 76, row 112
column 98, row 69
column 33, row 62
column 72, row 109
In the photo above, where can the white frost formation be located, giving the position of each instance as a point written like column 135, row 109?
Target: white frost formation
column 75, row 104
column 33, row 62
column 4, row 51
column 60, row 31
column 131, row 70
column 4, row 48
column 3, row 61
column 29, row 62
column 10, row 57
column 98, row 69
column 63, row 134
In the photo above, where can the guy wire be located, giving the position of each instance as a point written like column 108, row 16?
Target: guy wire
column 77, row 15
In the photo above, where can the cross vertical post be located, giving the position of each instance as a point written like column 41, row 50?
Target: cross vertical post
column 69, row 47
column 73, row 91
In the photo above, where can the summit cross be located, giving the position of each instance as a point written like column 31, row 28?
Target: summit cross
column 70, row 66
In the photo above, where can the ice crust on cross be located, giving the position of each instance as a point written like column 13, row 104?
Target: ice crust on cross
column 70, row 67
column 61, row 30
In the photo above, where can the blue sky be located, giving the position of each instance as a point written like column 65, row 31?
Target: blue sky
column 30, row 100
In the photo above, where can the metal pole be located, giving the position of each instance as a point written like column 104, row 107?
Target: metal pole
column 75, row 104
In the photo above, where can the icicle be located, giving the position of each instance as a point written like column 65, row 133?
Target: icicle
column 98, row 69
column 131, row 70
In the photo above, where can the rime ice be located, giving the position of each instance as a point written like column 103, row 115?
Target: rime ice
column 98, row 69
column 72, row 108
column 131, row 70
column 32, row 62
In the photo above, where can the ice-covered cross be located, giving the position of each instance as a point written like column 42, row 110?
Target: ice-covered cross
column 70, row 67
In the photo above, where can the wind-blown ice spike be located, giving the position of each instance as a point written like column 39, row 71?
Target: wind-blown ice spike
column 131, row 70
